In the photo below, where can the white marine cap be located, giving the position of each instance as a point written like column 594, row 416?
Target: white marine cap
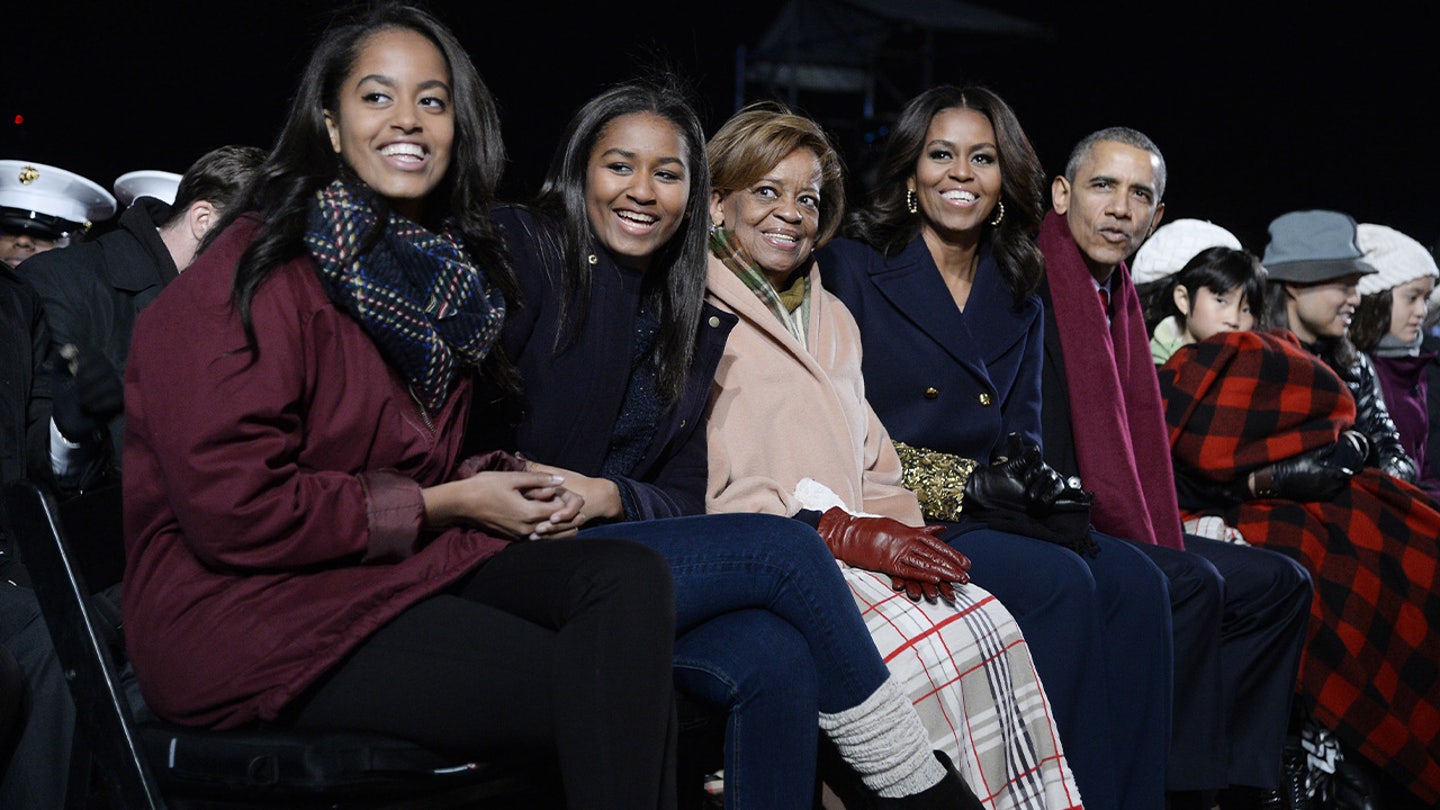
column 49, row 200
column 147, row 183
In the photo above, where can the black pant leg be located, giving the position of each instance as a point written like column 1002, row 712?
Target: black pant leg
column 561, row 644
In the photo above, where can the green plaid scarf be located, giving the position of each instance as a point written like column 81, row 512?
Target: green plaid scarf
column 416, row 293
column 783, row 303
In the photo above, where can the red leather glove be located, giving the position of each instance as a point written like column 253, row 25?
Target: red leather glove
column 891, row 547
column 930, row 591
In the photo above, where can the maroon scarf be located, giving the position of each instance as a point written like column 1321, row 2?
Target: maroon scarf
column 1115, row 412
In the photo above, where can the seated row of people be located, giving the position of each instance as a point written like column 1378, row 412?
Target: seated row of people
column 439, row 465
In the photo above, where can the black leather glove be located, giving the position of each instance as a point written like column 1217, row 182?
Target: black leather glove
column 890, row 547
column 86, row 392
column 1019, row 481
column 1316, row 475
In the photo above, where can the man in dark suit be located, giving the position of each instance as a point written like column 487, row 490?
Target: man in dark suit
column 1239, row 613
column 92, row 292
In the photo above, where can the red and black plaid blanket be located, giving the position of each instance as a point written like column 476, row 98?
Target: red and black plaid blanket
column 1241, row 400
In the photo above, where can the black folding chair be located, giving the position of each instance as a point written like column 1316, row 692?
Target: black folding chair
column 152, row 765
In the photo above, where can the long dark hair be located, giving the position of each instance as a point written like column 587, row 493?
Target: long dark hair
column 1217, row 269
column 886, row 223
column 303, row 160
column 675, row 282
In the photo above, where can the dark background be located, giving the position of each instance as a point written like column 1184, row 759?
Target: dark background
column 1259, row 108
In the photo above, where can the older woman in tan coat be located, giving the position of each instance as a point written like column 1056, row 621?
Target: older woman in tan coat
column 790, row 433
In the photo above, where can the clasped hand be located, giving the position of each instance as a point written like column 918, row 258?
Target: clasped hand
column 531, row 505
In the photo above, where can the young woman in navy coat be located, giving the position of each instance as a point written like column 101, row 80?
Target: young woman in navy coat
column 940, row 272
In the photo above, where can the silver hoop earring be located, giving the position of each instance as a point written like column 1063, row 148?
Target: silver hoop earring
column 999, row 212
column 912, row 201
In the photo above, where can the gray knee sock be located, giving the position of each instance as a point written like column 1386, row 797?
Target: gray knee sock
column 884, row 741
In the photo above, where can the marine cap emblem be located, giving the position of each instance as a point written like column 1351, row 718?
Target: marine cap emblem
column 28, row 175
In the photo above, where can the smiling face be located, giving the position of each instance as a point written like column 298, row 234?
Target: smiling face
column 637, row 184
column 957, row 176
column 775, row 219
column 1409, row 304
column 1210, row 313
column 1322, row 310
column 1112, row 205
column 393, row 124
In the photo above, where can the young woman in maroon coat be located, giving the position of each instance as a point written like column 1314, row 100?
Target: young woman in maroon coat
column 306, row 548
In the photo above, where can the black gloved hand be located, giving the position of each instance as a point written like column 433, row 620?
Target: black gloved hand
column 86, row 392
column 1319, row 474
column 1019, row 481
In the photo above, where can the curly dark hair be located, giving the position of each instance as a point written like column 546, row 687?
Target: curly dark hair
column 886, row 223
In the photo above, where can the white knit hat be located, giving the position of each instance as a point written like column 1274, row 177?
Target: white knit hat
column 1175, row 243
column 1398, row 258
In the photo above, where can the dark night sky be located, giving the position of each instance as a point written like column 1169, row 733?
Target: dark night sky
column 1259, row 109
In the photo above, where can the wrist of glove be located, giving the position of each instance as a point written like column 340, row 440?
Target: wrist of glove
column 86, row 393
column 891, row 547
column 1318, row 474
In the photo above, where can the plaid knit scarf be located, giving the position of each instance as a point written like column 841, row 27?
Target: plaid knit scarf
column 414, row 292
column 784, row 303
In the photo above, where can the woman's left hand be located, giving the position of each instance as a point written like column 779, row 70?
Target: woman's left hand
column 602, row 496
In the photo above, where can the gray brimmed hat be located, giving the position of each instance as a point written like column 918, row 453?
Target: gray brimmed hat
column 1308, row 247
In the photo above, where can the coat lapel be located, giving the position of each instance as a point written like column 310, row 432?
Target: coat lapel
column 982, row 333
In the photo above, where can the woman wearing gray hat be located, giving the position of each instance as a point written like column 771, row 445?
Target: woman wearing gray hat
column 1315, row 267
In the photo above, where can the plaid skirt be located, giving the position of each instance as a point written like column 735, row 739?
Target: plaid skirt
column 968, row 671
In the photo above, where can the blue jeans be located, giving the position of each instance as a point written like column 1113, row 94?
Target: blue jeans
column 767, row 629
column 1099, row 631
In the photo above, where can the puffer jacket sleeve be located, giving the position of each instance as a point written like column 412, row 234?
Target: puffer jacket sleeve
column 1372, row 418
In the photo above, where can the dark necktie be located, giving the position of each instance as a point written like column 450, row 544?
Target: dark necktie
column 1104, row 300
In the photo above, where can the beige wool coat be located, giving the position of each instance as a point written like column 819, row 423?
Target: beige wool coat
column 779, row 413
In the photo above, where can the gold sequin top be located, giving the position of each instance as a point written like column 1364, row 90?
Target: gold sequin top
column 937, row 479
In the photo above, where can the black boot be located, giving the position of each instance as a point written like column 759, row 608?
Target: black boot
column 950, row 793
column 1355, row 788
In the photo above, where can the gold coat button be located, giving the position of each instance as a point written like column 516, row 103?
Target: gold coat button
column 985, row 398
column 714, row 320
column 931, row 393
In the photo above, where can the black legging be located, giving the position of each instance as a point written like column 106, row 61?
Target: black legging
column 562, row 644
